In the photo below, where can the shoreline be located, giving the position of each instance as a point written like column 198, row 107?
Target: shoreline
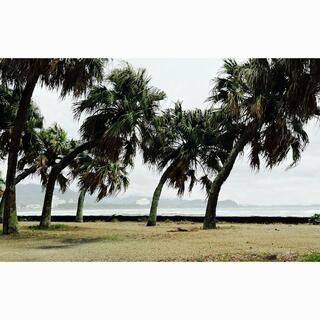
column 174, row 218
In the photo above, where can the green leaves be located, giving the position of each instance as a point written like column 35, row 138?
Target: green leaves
column 99, row 174
column 45, row 150
column 187, row 141
column 119, row 112
column 71, row 76
column 275, row 97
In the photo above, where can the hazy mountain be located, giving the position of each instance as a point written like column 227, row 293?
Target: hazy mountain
column 31, row 196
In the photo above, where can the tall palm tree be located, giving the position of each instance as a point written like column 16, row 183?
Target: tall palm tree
column 254, row 99
column 73, row 76
column 117, row 114
column 29, row 140
column 97, row 174
column 180, row 143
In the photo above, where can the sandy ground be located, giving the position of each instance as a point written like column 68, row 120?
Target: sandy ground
column 168, row 241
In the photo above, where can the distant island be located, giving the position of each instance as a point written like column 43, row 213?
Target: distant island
column 30, row 196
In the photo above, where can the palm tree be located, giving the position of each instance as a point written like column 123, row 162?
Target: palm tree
column 255, row 100
column 73, row 76
column 54, row 146
column 78, row 167
column 117, row 114
column 180, row 143
column 30, row 138
column 97, row 174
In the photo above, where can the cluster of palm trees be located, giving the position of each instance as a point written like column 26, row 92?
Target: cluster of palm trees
column 260, row 104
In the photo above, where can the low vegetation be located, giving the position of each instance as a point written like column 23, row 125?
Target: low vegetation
column 312, row 257
column 55, row 226
column 315, row 219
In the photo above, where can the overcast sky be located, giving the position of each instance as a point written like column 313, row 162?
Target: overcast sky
column 189, row 80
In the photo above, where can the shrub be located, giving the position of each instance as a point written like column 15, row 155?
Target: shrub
column 313, row 257
column 315, row 219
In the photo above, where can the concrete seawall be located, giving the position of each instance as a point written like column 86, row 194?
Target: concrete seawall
column 237, row 219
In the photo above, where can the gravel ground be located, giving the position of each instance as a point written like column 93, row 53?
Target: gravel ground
column 168, row 241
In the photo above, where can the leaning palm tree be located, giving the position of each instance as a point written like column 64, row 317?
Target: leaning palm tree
column 97, row 174
column 180, row 143
column 48, row 146
column 117, row 113
column 73, row 76
column 254, row 100
column 51, row 144
column 78, row 167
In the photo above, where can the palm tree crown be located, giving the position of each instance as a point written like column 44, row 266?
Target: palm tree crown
column 119, row 112
column 187, row 141
column 256, row 96
column 96, row 173
column 72, row 76
column 52, row 144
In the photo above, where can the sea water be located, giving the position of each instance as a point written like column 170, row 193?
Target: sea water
column 241, row 211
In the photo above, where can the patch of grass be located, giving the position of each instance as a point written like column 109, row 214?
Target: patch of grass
column 112, row 237
column 312, row 257
column 52, row 227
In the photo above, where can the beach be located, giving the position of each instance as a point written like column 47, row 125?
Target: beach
column 168, row 241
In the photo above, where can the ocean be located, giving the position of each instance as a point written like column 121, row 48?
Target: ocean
column 281, row 211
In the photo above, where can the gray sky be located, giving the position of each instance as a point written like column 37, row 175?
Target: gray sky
column 189, row 80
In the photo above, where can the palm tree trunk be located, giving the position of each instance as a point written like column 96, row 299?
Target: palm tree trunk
column 19, row 178
column 1, row 208
column 82, row 194
column 56, row 169
column 152, row 219
column 210, row 216
column 221, row 177
column 47, row 204
column 10, row 221
column 25, row 173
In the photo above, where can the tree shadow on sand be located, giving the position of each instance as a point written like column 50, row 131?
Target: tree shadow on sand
column 69, row 243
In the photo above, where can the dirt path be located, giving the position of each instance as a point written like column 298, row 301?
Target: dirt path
column 132, row 241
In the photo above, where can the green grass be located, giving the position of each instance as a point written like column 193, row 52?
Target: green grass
column 313, row 257
column 52, row 227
